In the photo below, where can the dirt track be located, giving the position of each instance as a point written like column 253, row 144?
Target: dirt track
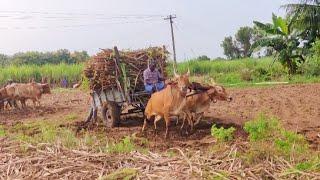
column 298, row 107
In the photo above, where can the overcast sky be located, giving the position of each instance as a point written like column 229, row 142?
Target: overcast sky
column 46, row 25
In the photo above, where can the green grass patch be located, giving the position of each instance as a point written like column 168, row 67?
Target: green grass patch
column 222, row 134
column 2, row 132
column 261, row 128
column 125, row 174
column 268, row 138
column 309, row 165
column 126, row 145
column 71, row 117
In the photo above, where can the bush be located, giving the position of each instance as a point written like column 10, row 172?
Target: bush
column 312, row 65
column 261, row 74
column 222, row 134
column 246, row 74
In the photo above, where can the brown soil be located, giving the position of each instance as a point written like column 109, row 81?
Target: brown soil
column 298, row 107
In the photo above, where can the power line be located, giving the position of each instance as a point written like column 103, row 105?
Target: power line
column 78, row 25
column 82, row 14
column 66, row 18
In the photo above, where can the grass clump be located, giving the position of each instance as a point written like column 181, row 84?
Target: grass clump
column 68, row 138
column 125, row 174
column 268, row 138
column 222, row 134
column 310, row 165
column 261, row 128
column 126, row 145
column 71, row 117
column 2, row 132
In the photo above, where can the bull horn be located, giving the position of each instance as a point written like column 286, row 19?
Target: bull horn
column 188, row 73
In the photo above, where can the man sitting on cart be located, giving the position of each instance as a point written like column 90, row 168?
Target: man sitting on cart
column 153, row 80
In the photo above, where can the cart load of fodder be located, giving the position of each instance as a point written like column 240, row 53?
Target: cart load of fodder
column 107, row 71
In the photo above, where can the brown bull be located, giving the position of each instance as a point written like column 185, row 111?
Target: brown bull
column 199, row 103
column 23, row 92
column 167, row 102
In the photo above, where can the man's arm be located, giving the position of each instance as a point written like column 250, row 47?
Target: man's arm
column 145, row 77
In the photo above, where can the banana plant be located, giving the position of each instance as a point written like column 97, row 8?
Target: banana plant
column 283, row 39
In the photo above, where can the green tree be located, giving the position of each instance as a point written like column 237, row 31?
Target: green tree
column 79, row 56
column 306, row 18
column 203, row 58
column 245, row 37
column 284, row 41
column 62, row 55
column 4, row 59
column 229, row 48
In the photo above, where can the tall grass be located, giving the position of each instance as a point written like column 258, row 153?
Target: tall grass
column 240, row 71
column 227, row 72
column 54, row 73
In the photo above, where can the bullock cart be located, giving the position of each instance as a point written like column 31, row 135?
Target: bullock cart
column 116, row 82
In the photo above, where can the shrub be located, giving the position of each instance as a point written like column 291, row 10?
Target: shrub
column 261, row 74
column 246, row 74
column 312, row 65
column 222, row 134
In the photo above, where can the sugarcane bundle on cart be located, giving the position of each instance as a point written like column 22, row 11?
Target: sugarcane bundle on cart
column 116, row 81
column 123, row 70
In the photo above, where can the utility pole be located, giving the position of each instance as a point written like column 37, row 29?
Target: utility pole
column 170, row 17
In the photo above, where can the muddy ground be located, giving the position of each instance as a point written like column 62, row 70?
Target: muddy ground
column 298, row 107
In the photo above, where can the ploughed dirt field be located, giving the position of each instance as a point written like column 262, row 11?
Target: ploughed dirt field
column 297, row 106
column 86, row 154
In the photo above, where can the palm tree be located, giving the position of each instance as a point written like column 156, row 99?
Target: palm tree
column 281, row 37
column 306, row 17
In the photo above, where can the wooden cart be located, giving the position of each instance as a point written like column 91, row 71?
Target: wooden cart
column 113, row 101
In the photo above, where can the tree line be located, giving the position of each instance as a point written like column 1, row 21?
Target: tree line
column 41, row 58
column 290, row 39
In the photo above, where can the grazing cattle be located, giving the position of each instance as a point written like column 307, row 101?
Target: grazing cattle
column 23, row 92
column 7, row 101
column 199, row 103
column 167, row 102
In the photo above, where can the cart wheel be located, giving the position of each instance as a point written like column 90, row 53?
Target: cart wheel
column 111, row 114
